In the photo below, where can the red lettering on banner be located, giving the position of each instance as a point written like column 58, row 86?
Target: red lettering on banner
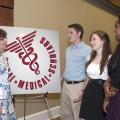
column 33, row 85
column 39, row 83
column 51, row 51
column 26, row 87
column 53, row 66
column 46, row 43
column 11, row 76
column 47, row 78
column 44, row 82
column 21, row 84
column 52, row 55
column 51, row 71
column 53, row 61
column 50, row 47
column 42, row 40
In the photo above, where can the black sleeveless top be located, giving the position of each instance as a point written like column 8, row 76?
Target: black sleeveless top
column 114, row 68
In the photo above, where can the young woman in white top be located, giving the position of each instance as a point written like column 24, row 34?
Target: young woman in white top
column 93, row 94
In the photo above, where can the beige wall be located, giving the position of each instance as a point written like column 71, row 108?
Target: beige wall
column 57, row 14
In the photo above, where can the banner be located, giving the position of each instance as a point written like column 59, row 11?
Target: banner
column 34, row 60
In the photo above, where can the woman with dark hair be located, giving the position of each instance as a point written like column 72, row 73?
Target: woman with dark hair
column 93, row 95
column 112, row 86
column 6, row 104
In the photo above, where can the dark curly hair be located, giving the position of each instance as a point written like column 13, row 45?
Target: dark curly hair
column 3, row 33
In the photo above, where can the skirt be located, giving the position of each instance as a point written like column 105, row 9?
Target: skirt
column 92, row 101
column 114, row 108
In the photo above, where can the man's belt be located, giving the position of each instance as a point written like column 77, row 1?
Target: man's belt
column 73, row 82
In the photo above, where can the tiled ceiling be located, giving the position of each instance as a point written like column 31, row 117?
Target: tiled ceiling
column 107, row 6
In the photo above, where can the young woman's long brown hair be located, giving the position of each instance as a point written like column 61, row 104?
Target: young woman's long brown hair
column 105, row 52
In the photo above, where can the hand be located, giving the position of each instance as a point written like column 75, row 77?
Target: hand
column 107, row 91
column 106, row 88
column 106, row 105
column 79, row 97
column 111, row 91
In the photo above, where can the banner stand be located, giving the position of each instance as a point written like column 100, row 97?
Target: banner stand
column 41, row 96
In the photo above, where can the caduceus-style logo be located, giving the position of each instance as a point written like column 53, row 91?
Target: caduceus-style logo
column 26, row 53
column 22, row 46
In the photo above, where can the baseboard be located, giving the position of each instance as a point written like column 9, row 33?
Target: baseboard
column 44, row 115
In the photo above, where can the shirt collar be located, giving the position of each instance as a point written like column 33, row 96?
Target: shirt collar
column 78, row 45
